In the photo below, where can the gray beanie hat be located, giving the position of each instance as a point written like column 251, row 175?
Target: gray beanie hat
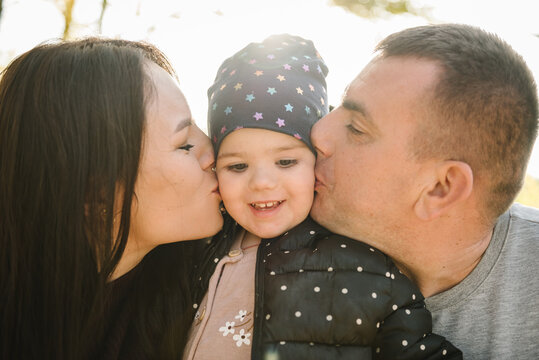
column 278, row 84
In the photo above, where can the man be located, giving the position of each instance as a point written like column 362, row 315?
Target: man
column 422, row 160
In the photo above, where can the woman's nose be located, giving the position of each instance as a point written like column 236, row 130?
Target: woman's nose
column 205, row 154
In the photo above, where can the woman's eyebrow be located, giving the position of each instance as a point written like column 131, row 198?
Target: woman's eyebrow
column 183, row 124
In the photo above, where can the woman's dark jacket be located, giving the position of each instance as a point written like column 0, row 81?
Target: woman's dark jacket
column 325, row 296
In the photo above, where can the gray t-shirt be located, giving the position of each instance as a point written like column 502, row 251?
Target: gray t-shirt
column 494, row 312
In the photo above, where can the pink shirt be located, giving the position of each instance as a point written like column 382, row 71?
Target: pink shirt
column 223, row 325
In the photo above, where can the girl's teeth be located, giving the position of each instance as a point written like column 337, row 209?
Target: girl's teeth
column 265, row 205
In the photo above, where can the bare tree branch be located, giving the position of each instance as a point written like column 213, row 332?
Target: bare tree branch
column 100, row 21
column 68, row 17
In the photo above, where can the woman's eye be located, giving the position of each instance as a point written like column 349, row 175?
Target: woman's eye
column 237, row 167
column 186, row 147
column 287, row 162
column 353, row 130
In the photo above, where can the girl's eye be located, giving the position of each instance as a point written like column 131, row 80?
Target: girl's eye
column 186, row 147
column 237, row 167
column 353, row 130
column 287, row 162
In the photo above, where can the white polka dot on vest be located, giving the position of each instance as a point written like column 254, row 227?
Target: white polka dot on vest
column 422, row 347
column 297, row 313
column 287, row 252
column 358, row 321
column 312, row 232
column 394, row 307
column 283, row 287
column 300, row 270
column 359, row 269
column 316, row 289
column 329, row 318
column 268, row 316
column 343, row 246
column 407, row 311
column 404, row 342
column 330, row 269
column 216, row 260
column 444, row 352
column 272, row 273
column 195, row 306
column 344, row 291
column 374, row 295
column 388, row 274
column 282, row 342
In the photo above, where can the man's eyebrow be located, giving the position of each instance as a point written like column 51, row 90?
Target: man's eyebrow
column 354, row 106
column 359, row 108
column 183, row 124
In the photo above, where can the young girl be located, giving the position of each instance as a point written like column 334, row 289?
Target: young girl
column 283, row 287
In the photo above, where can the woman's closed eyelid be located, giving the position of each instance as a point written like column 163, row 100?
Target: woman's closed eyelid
column 187, row 147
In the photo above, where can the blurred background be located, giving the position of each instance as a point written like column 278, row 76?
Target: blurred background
column 197, row 35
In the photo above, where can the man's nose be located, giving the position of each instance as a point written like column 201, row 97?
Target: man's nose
column 321, row 136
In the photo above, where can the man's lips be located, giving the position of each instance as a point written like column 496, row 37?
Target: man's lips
column 318, row 182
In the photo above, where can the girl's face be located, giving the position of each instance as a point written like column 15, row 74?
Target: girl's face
column 266, row 179
column 176, row 193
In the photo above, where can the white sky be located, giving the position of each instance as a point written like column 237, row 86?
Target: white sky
column 198, row 35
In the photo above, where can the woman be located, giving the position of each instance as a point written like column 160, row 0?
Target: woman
column 100, row 163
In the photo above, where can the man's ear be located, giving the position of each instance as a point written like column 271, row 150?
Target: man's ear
column 452, row 183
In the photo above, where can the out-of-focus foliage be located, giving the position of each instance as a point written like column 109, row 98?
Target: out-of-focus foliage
column 379, row 8
column 529, row 195
column 0, row 9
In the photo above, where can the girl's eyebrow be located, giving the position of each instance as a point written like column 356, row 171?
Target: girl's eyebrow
column 278, row 149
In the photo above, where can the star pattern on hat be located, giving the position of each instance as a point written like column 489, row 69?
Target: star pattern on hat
column 283, row 77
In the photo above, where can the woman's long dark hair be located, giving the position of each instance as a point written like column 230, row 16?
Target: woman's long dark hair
column 72, row 118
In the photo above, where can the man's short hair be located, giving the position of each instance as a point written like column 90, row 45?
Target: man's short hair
column 482, row 111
